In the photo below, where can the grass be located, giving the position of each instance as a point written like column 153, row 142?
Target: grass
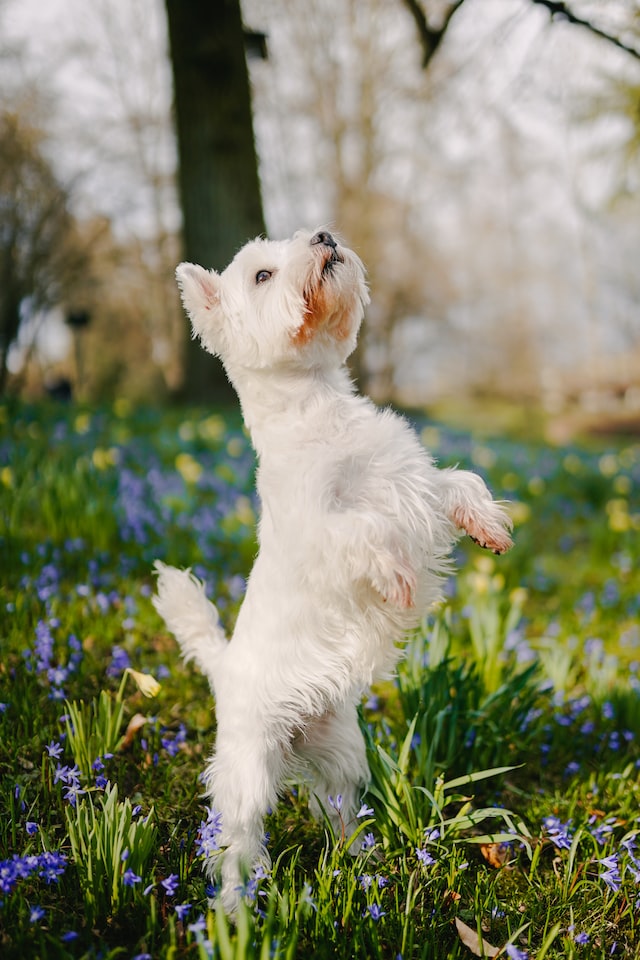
column 505, row 793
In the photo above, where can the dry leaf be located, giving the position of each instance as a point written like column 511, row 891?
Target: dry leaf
column 451, row 896
column 496, row 854
column 136, row 723
column 478, row 946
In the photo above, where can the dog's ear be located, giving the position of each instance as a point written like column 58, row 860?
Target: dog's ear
column 199, row 288
column 200, row 293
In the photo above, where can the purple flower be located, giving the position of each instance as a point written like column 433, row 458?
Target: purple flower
column 582, row 938
column 515, row 954
column 35, row 914
column 558, row 832
column 170, row 884
column 54, row 750
column 69, row 936
column 198, row 926
column 368, row 841
column 52, row 865
column 119, row 662
column 207, row 841
column 425, row 857
column 611, row 875
column 364, row 811
column 336, row 802
column 129, row 878
column 182, row 909
column 31, row 827
column 375, row 911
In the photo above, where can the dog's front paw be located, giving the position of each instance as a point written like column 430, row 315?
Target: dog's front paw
column 490, row 532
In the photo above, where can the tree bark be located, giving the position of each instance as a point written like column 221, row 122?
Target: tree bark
column 219, row 183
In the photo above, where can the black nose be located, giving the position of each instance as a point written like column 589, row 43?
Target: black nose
column 324, row 238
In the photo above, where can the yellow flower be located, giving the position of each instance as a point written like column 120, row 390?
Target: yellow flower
column 122, row 407
column 187, row 431
column 483, row 457
column 104, row 458
column 510, row 481
column 618, row 511
column 235, row 447
column 83, row 423
column 6, row 476
column 189, row 467
column 145, row 683
column 431, row 437
column 213, row 428
column 608, row 465
column 519, row 512
column 518, row 596
column 244, row 511
column 536, row 486
column 572, row 463
column 622, row 485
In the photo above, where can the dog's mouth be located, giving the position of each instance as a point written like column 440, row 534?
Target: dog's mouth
column 331, row 261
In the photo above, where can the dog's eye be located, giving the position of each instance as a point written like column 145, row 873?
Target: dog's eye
column 263, row 275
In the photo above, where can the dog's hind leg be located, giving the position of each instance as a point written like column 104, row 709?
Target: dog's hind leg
column 243, row 780
column 333, row 750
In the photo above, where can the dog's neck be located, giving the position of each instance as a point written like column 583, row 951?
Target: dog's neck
column 280, row 400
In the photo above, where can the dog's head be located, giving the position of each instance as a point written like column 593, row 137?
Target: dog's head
column 294, row 301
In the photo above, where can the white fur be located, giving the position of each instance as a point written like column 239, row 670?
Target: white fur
column 355, row 535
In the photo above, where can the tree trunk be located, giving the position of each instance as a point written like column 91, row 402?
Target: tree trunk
column 219, row 184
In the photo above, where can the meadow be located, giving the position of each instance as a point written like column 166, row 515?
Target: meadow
column 503, row 815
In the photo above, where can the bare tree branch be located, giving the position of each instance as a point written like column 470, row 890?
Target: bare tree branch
column 557, row 8
column 430, row 37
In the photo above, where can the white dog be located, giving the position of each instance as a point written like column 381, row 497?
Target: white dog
column 356, row 530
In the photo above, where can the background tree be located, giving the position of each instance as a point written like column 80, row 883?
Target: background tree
column 38, row 256
column 218, row 169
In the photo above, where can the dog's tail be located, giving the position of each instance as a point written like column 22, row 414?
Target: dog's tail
column 191, row 618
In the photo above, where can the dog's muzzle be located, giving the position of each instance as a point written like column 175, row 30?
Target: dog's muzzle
column 323, row 238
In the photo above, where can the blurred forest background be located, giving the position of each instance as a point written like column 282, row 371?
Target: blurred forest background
column 482, row 156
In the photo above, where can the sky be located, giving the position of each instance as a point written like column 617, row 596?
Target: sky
column 511, row 149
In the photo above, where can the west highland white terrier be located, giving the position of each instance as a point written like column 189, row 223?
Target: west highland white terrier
column 357, row 526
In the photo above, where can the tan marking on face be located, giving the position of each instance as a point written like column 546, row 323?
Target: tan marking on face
column 323, row 311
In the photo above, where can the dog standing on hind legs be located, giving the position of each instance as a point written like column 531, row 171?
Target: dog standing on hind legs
column 357, row 526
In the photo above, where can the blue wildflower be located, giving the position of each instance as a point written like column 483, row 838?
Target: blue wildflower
column 36, row 913
column 611, row 875
column 170, row 884
column 425, row 857
column 207, row 841
column 119, row 661
column 129, row 878
column 368, row 841
column 375, row 912
column 515, row 954
column 558, row 832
